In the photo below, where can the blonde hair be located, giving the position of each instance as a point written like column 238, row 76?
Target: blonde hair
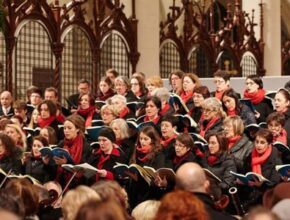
column 155, row 81
column 146, row 210
column 236, row 122
column 22, row 140
column 75, row 198
column 111, row 108
column 124, row 128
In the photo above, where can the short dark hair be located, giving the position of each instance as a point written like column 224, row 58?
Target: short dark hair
column 84, row 81
column 276, row 116
column 51, row 89
column 173, row 120
column 178, row 73
column 155, row 100
column 265, row 133
column 185, row 139
column 20, row 105
column 203, row 90
column 257, row 79
column 113, row 71
column 223, row 74
column 50, row 105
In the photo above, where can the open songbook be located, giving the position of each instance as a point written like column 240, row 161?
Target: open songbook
column 250, row 177
column 281, row 147
column 283, row 170
column 56, row 152
column 93, row 132
column 176, row 100
column 85, row 168
column 32, row 131
column 10, row 176
column 148, row 173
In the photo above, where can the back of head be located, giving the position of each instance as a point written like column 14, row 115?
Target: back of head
column 191, row 177
column 146, row 210
column 100, row 210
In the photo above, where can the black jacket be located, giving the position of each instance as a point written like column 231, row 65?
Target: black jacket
column 265, row 108
column 130, row 96
column 214, row 214
column 287, row 125
column 240, row 151
column 12, row 163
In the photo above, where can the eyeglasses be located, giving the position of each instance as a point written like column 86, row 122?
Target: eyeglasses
column 107, row 113
column 134, row 84
column 179, row 145
column 218, row 81
column 207, row 110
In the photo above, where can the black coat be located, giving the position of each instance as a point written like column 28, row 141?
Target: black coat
column 12, row 163
column 247, row 115
column 240, row 151
column 73, row 101
column 221, row 168
column 37, row 169
column 10, row 113
column 189, row 157
column 130, row 96
column 214, row 214
column 127, row 147
column 216, row 127
column 268, row 168
column 265, row 108
column 287, row 125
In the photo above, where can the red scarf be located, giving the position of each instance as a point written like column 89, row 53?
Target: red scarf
column 88, row 114
column 255, row 97
column 142, row 152
column 282, row 137
column 60, row 118
column 203, row 129
column 177, row 160
column 155, row 120
column 185, row 96
column 75, row 148
column 233, row 140
column 231, row 112
column 258, row 160
column 104, row 97
column 165, row 143
column 45, row 122
column 219, row 94
column 165, row 109
column 212, row 159
column 123, row 112
column 138, row 94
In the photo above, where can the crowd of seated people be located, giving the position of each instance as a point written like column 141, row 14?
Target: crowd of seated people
column 135, row 145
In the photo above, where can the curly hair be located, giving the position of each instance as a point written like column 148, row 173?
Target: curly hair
column 181, row 205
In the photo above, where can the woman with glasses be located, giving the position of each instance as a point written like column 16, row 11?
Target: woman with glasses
column 239, row 145
column 212, row 116
column 256, row 94
column 138, row 88
column 109, row 113
column 175, row 80
column 222, row 82
column 232, row 106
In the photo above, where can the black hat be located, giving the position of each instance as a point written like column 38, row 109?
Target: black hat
column 108, row 133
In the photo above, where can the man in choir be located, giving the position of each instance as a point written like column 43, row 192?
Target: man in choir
column 6, row 104
column 84, row 87
column 222, row 82
column 191, row 177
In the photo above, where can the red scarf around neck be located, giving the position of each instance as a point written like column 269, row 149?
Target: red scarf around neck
column 231, row 112
column 258, row 160
column 185, row 96
column 165, row 143
column 124, row 112
column 282, row 137
column 203, row 129
column 219, row 94
column 255, row 97
column 165, row 109
column 75, row 148
column 177, row 160
column 155, row 120
column 88, row 114
column 233, row 140
column 142, row 152
column 45, row 122
column 212, row 159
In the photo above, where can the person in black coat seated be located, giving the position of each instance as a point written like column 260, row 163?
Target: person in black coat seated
column 87, row 109
column 10, row 155
column 200, row 93
column 191, row 177
column 256, row 94
column 124, row 141
column 84, row 87
column 105, row 89
column 282, row 105
column 239, row 145
column 33, row 164
column 47, row 111
column 232, row 106
column 262, row 160
column 75, row 143
column 147, row 153
column 218, row 161
column 106, row 157
column 123, row 87
column 212, row 116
